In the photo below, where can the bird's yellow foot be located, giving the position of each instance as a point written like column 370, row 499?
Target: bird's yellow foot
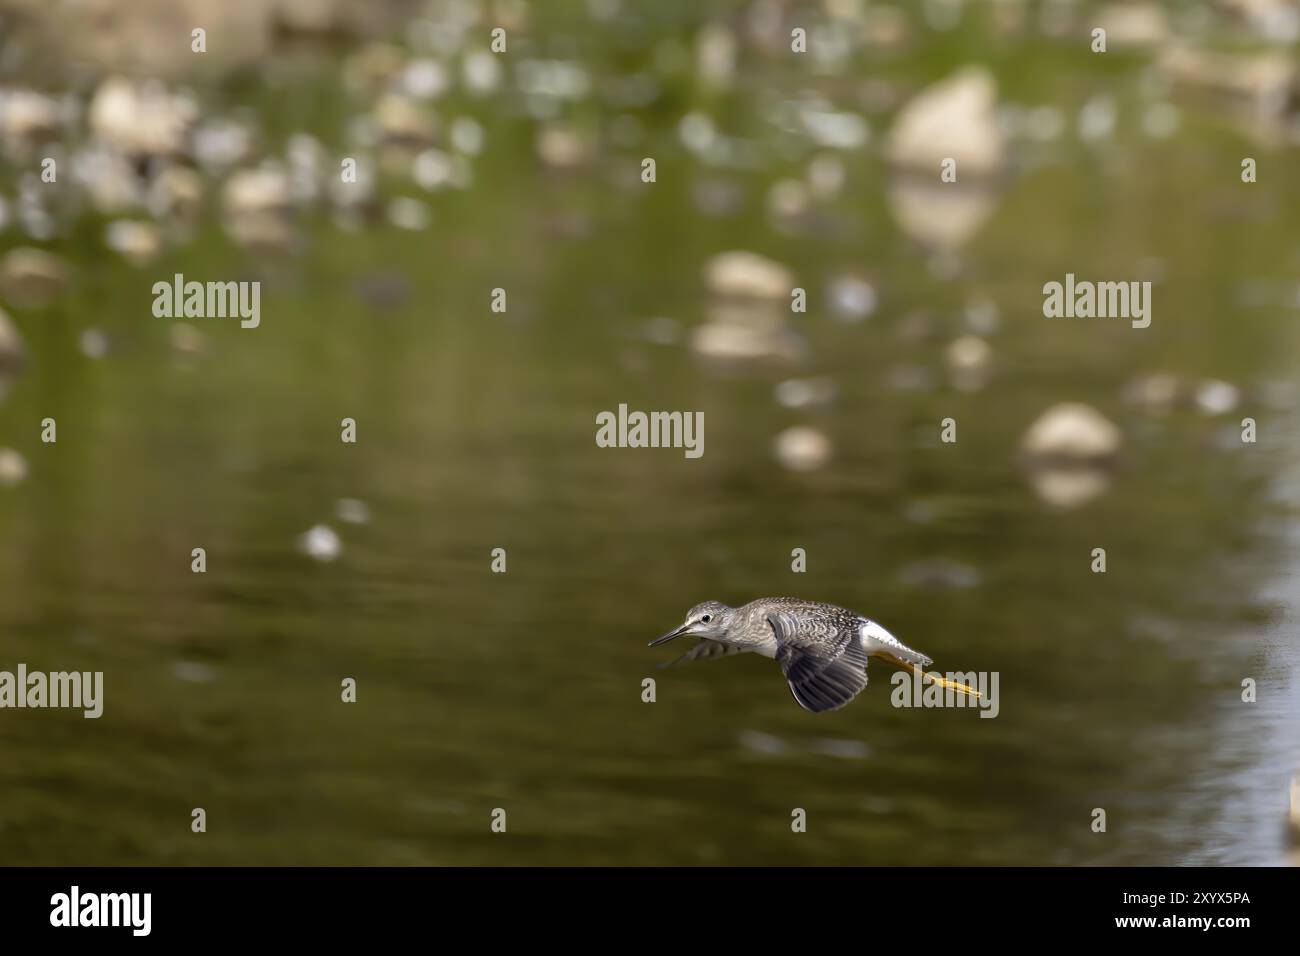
column 935, row 678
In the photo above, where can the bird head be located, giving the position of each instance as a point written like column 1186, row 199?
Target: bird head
column 708, row 620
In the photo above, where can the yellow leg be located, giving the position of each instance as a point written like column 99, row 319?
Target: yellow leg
column 937, row 679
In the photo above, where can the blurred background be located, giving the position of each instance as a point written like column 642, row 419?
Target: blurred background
column 475, row 429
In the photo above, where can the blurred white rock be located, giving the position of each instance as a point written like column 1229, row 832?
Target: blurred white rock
column 747, row 275
column 13, row 468
column 320, row 542
column 802, row 448
column 1071, row 432
column 1130, row 25
column 135, row 241
column 805, row 392
column 352, row 511
column 141, row 118
column 851, row 298
column 32, row 278
column 1214, row 397
column 970, row 363
column 93, row 343
column 1068, row 452
column 1153, row 392
column 954, row 118
column 940, row 216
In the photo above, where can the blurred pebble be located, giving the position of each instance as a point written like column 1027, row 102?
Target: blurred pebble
column 93, row 343
column 762, row 743
column 321, row 543
column 1067, row 450
column 1160, row 121
column 1134, row 24
column 940, row 217
column 141, row 118
column 467, row 136
column 194, row 672
column 560, row 147
column 373, row 67
column 970, row 363
column 432, row 169
column 424, row 79
column 137, row 242
column 715, row 54
column 256, row 207
column 802, row 448
column 1044, row 124
column 407, row 213
column 1097, row 118
column 28, row 120
column 1278, row 395
column 220, row 144
column 1153, row 392
column 747, row 275
column 481, row 72
column 982, row 316
column 352, row 511
column 32, row 278
column 1067, row 488
column 186, row 339
column 788, row 200
column 1217, row 398
column 939, row 574
column 852, row 298
column 176, row 195
column 697, row 132
column 1071, row 433
column 13, row 467
column 834, row 129
column 826, row 176
column 956, row 117
column 402, row 122
column 728, row 341
column 805, row 392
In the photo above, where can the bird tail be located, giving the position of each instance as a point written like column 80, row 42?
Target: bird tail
column 879, row 642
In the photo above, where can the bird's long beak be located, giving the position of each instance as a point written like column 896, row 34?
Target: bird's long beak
column 669, row 636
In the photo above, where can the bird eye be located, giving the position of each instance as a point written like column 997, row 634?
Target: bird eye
column 706, row 617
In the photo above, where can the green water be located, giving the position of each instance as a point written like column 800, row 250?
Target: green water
column 522, row 690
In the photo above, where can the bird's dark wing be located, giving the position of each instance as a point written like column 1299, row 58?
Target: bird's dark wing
column 825, row 669
column 705, row 650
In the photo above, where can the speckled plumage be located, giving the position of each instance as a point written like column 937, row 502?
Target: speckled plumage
column 822, row 648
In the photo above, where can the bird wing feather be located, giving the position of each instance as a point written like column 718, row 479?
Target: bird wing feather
column 824, row 668
column 706, row 650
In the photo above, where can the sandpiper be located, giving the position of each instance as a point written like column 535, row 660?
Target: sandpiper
column 822, row 648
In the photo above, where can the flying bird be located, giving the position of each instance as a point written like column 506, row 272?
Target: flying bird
column 822, row 648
